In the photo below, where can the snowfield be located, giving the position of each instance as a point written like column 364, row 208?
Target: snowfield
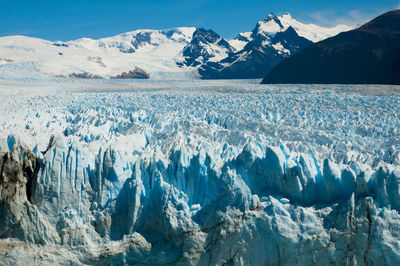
column 200, row 172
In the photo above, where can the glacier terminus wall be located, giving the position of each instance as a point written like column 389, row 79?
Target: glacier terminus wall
column 199, row 173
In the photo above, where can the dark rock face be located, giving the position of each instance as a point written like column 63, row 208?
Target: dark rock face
column 17, row 171
column 256, row 58
column 84, row 76
column 255, row 63
column 6, row 60
column 19, row 218
column 141, row 39
column 137, row 73
column 96, row 59
column 196, row 51
column 367, row 55
column 60, row 44
column 291, row 40
column 243, row 38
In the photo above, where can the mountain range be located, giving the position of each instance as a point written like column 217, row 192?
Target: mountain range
column 270, row 42
column 178, row 53
column 369, row 54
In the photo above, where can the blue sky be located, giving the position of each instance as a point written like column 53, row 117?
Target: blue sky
column 72, row 19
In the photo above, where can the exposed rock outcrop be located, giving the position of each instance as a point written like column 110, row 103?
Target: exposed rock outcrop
column 96, row 59
column 5, row 61
column 137, row 73
column 84, row 75
column 19, row 218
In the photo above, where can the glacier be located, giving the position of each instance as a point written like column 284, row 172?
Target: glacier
column 199, row 173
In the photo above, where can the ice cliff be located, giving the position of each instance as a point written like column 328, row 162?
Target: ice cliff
column 182, row 186
column 264, row 207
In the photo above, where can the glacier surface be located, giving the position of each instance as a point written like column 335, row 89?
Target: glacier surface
column 199, row 173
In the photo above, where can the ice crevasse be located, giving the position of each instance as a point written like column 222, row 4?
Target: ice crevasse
column 264, row 205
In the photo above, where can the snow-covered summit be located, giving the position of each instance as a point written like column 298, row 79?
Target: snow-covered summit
column 273, row 24
column 206, row 46
column 312, row 32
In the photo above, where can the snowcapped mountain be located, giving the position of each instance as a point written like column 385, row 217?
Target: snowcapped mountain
column 272, row 40
column 273, row 24
column 155, row 51
column 311, row 32
column 205, row 46
column 179, row 53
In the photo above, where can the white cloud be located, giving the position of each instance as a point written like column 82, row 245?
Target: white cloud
column 350, row 18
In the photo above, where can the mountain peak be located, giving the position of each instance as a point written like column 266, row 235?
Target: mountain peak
column 269, row 26
column 270, row 17
column 287, row 14
column 206, row 45
column 312, row 32
column 273, row 24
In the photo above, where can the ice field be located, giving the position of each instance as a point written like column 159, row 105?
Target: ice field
column 201, row 172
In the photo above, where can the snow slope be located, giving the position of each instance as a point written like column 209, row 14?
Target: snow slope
column 155, row 51
column 240, row 41
column 200, row 172
column 312, row 32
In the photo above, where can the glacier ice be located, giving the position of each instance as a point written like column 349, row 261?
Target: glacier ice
column 201, row 173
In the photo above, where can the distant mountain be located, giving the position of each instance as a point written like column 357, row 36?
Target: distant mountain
column 178, row 53
column 154, row 51
column 205, row 46
column 258, row 56
column 272, row 40
column 369, row 54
